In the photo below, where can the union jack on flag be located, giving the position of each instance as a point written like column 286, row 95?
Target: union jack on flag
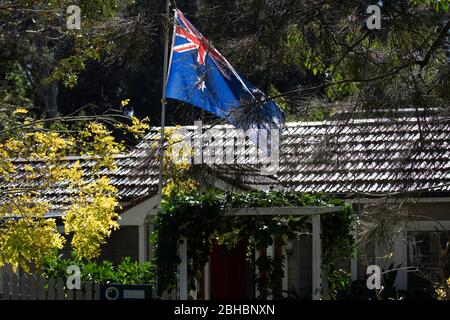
column 201, row 76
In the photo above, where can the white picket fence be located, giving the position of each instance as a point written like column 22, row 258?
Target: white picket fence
column 21, row 286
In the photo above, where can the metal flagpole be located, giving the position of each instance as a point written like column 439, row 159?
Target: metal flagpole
column 182, row 246
column 163, row 107
column 163, row 111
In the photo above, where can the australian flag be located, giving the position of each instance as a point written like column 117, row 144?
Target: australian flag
column 201, row 76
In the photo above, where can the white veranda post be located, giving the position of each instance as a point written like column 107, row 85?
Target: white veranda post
column 182, row 270
column 314, row 212
column 317, row 257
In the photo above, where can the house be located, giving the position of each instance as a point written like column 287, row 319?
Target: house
column 395, row 172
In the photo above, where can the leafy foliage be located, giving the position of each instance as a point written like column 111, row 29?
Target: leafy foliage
column 198, row 217
column 320, row 54
column 438, row 5
column 92, row 217
column 104, row 272
column 28, row 237
column 32, row 164
column 442, row 292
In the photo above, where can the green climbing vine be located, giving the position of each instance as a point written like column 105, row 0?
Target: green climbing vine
column 198, row 217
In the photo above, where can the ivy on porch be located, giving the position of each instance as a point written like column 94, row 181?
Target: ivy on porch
column 203, row 219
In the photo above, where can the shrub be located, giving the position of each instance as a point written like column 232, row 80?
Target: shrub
column 103, row 272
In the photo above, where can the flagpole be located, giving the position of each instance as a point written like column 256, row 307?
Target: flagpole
column 163, row 115
column 163, row 107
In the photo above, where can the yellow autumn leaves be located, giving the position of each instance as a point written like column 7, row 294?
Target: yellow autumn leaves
column 20, row 111
column 26, row 235
column 178, row 180
column 92, row 217
column 137, row 126
column 441, row 292
column 33, row 166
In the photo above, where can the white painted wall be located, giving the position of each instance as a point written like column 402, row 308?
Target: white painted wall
column 140, row 216
column 136, row 216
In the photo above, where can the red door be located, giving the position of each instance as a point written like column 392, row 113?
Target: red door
column 228, row 272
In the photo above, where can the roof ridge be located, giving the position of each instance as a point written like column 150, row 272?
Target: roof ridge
column 314, row 123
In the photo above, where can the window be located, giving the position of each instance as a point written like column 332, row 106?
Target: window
column 427, row 253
